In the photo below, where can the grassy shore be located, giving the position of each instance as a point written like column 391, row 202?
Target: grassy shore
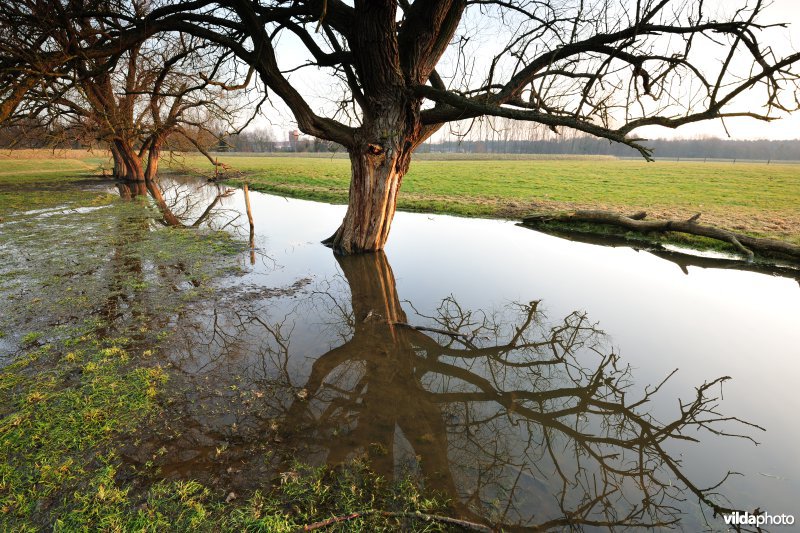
column 754, row 198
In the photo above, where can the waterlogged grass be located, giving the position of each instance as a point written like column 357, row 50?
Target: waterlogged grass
column 755, row 198
column 63, row 412
column 88, row 300
column 80, row 307
column 64, row 418
column 33, row 184
column 37, row 196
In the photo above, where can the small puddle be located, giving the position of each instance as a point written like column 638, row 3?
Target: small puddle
column 521, row 374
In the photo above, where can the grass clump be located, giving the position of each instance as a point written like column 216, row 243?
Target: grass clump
column 310, row 495
column 303, row 497
column 62, row 415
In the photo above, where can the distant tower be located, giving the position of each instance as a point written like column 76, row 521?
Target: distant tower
column 294, row 136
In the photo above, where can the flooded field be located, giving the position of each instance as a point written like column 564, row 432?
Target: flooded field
column 533, row 381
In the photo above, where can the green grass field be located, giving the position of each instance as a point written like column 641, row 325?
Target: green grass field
column 750, row 197
column 754, row 198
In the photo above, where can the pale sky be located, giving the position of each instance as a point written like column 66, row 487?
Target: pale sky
column 321, row 93
column 785, row 41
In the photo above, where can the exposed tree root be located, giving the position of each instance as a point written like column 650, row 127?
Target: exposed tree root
column 745, row 244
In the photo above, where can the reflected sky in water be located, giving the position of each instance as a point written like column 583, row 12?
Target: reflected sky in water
column 280, row 322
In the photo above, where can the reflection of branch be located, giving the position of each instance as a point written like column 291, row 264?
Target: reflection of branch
column 205, row 214
column 495, row 411
column 522, row 380
column 431, row 330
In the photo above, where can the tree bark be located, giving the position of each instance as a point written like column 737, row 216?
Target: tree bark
column 379, row 159
column 374, row 184
column 127, row 163
column 153, row 157
column 119, row 164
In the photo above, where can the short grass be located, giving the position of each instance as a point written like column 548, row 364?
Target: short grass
column 755, row 198
column 42, row 162
column 38, row 179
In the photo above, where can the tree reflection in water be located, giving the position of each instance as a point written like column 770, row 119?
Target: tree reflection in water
column 124, row 275
column 183, row 204
column 523, row 423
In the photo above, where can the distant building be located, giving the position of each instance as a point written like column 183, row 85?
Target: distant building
column 294, row 137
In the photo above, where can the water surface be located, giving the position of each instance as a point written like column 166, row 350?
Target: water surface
column 519, row 373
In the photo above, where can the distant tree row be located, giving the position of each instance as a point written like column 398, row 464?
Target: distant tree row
column 714, row 148
column 262, row 140
column 39, row 132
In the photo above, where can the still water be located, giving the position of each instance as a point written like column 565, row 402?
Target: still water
column 520, row 373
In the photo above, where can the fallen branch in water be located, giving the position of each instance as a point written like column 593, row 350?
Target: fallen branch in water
column 469, row 526
column 431, row 330
column 744, row 243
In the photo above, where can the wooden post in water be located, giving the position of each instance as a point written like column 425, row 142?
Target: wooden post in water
column 252, row 225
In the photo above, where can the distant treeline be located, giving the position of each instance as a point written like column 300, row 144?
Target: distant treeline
column 262, row 140
column 662, row 148
column 669, row 149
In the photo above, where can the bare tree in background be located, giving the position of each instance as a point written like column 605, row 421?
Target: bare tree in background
column 131, row 96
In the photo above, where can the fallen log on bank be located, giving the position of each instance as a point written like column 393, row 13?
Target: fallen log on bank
column 682, row 260
column 745, row 244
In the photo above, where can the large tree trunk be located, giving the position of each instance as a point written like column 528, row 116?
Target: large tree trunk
column 153, row 157
column 379, row 160
column 374, row 185
column 380, row 150
column 127, row 163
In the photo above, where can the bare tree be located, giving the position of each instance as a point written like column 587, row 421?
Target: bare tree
column 600, row 67
column 132, row 96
